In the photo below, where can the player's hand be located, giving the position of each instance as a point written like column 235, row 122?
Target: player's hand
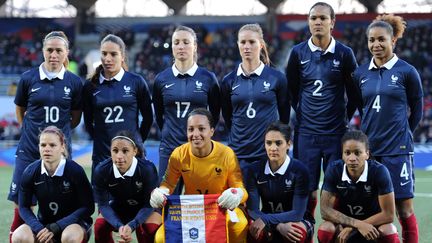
column 125, row 233
column 158, row 197
column 44, row 236
column 230, row 198
column 256, row 228
column 344, row 234
column 290, row 231
column 368, row 231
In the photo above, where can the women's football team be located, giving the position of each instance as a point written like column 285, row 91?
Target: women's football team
column 368, row 174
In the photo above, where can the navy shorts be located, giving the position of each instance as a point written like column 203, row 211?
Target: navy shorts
column 401, row 173
column 20, row 165
column 316, row 151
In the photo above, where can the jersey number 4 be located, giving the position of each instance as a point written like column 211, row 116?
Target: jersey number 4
column 377, row 104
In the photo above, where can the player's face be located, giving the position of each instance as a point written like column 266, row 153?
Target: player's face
column 112, row 58
column 354, row 154
column 55, row 53
column 380, row 43
column 183, row 45
column 50, row 148
column 122, row 154
column 199, row 132
column 249, row 45
column 320, row 22
column 276, row 146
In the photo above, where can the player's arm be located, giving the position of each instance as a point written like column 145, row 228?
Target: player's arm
column 387, row 213
column 253, row 201
column 294, row 215
column 214, row 99
column 75, row 118
column 77, row 104
column 25, row 201
column 158, row 104
column 283, row 100
column 152, row 180
column 88, row 109
column 144, row 105
column 20, row 112
column 226, row 104
column 172, row 173
column 235, row 179
column 414, row 93
column 350, row 87
column 293, row 77
column 84, row 199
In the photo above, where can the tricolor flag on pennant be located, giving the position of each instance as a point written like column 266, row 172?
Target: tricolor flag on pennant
column 194, row 218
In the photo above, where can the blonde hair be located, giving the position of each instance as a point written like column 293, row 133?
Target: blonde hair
column 264, row 56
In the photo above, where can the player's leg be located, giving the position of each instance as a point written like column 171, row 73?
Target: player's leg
column 103, row 231
column 237, row 231
column 285, row 229
column 73, row 233
column 326, row 232
column 20, row 166
column 146, row 231
column 23, row 234
column 401, row 172
column 389, row 234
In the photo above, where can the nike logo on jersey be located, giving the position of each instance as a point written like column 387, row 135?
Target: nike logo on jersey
column 95, row 93
column 341, row 187
column 34, row 90
column 404, row 183
column 113, row 185
column 304, row 62
column 168, row 85
column 261, row 182
column 364, row 80
column 39, row 182
column 235, row 87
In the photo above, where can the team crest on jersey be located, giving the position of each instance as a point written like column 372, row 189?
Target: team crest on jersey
column 368, row 189
column 139, row 185
column 288, row 184
column 336, row 65
column 218, row 171
column 198, row 86
column 394, row 80
column 127, row 90
column 67, row 91
column 66, row 186
column 266, row 87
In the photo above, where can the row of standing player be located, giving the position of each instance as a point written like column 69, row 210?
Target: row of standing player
column 319, row 74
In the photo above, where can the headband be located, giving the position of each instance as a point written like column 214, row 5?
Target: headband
column 124, row 137
column 58, row 37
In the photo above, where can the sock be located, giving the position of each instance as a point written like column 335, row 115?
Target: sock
column 325, row 236
column 393, row 238
column 409, row 229
column 146, row 232
column 103, row 231
column 16, row 222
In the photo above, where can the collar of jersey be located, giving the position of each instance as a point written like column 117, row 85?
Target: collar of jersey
column 58, row 172
column 129, row 172
column 280, row 171
column 387, row 65
column 117, row 77
column 257, row 71
column 191, row 70
column 331, row 48
column 362, row 178
column 42, row 74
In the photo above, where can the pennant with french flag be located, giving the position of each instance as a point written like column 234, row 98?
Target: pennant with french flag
column 194, row 218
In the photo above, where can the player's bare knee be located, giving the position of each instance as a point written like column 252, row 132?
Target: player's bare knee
column 327, row 226
column 404, row 207
column 72, row 234
column 23, row 234
column 387, row 229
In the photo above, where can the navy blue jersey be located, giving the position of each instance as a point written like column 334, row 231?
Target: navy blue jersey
column 174, row 97
column 387, row 93
column 127, row 197
column 318, row 82
column 65, row 199
column 358, row 199
column 249, row 105
column 114, row 106
column 278, row 192
column 47, row 102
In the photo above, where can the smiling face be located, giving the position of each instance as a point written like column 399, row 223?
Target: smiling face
column 277, row 147
column 183, row 45
column 122, row 154
column 381, row 43
column 51, row 148
column 55, row 53
column 249, row 45
column 111, row 58
column 354, row 154
column 320, row 22
column 199, row 132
